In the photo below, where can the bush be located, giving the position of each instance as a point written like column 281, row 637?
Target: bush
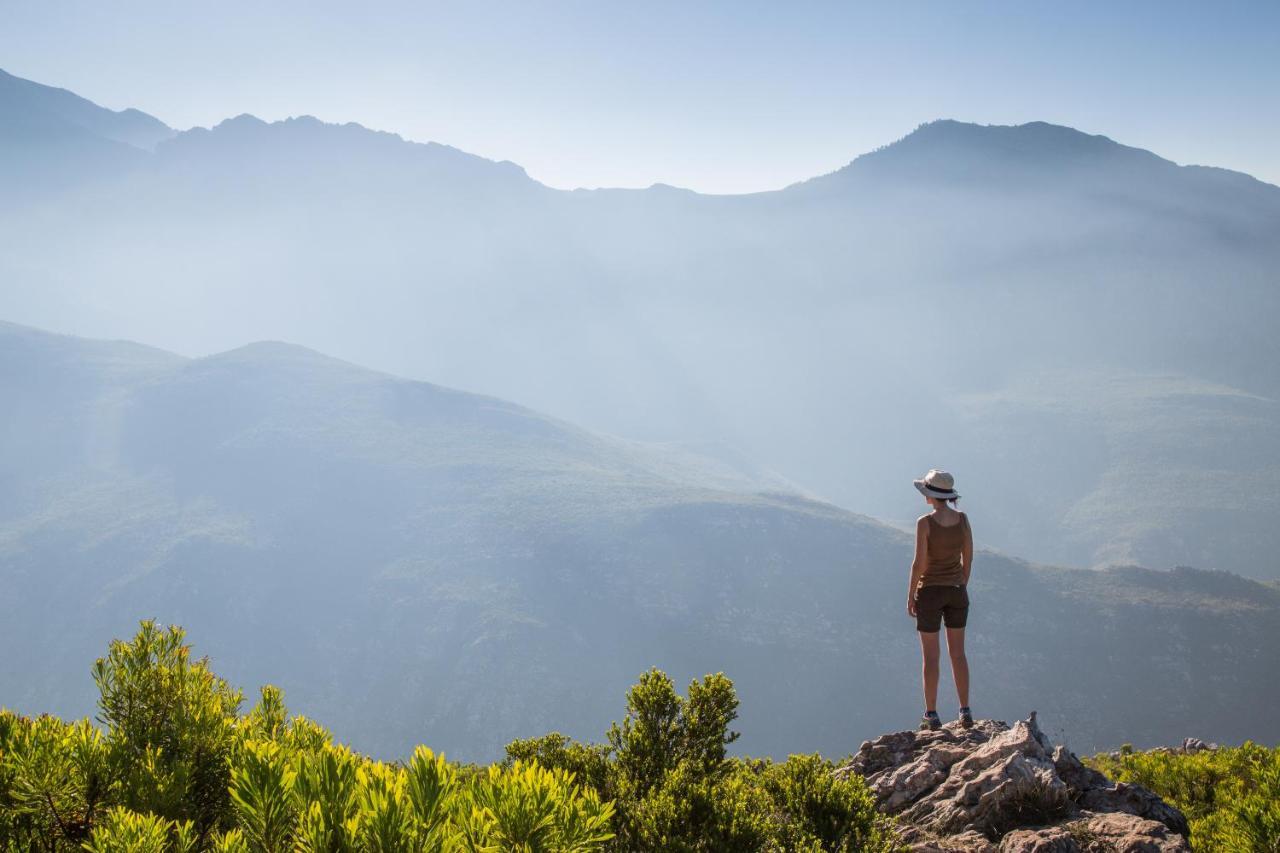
column 180, row 770
column 1230, row 796
column 666, row 769
column 171, row 728
column 177, row 768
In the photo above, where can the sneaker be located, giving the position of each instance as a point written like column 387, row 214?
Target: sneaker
column 930, row 722
column 966, row 718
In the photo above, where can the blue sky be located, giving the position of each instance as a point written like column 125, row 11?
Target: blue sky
column 719, row 97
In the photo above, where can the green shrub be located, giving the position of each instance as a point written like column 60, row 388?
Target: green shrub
column 180, row 770
column 1231, row 796
column 171, row 728
column 589, row 763
column 58, row 781
column 666, row 769
column 124, row 831
column 822, row 812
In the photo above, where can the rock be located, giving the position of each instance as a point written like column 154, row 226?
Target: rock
column 1055, row 839
column 1194, row 744
column 1004, row 788
column 1095, row 792
column 1135, row 800
column 1126, row 833
column 919, row 841
column 1077, row 776
column 1113, row 833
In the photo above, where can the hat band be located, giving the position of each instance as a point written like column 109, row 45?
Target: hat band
column 943, row 491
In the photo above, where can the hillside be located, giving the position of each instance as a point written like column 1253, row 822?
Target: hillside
column 52, row 140
column 413, row 563
column 982, row 297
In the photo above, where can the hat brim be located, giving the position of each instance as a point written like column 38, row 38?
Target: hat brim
column 930, row 492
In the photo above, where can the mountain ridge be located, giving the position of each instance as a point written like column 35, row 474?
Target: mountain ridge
column 362, row 540
column 786, row 324
column 249, row 130
column 950, row 127
column 128, row 126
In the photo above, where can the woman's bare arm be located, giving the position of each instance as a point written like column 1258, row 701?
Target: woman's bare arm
column 966, row 554
column 917, row 564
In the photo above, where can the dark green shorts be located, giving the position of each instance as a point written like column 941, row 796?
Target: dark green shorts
column 934, row 604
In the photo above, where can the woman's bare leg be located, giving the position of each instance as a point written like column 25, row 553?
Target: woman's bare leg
column 959, row 664
column 929, row 648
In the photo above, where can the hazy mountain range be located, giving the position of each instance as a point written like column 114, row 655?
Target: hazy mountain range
column 417, row 564
column 1083, row 331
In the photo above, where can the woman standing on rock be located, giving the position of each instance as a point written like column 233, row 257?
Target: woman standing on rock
column 938, row 591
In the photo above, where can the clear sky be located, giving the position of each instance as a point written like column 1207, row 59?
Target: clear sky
column 719, row 97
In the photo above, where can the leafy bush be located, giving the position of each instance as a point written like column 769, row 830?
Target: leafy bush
column 666, row 769
column 179, row 769
column 1231, row 796
column 171, row 728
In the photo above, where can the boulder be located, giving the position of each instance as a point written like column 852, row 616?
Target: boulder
column 1055, row 839
column 996, row 787
column 1106, row 833
column 1194, row 744
column 1127, row 833
column 919, row 841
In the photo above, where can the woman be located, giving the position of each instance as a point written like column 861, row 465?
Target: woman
column 938, row 593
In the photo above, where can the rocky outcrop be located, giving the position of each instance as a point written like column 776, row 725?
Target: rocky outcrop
column 997, row 788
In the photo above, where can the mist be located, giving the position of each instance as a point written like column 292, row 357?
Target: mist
column 1083, row 328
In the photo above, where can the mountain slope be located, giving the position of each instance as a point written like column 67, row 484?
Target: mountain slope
column 908, row 311
column 414, row 563
column 52, row 140
column 21, row 98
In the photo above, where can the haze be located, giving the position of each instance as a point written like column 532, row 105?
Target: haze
column 452, row 453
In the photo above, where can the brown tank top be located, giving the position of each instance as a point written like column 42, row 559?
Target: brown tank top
column 944, row 564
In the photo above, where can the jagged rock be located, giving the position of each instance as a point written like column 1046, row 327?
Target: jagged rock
column 919, row 841
column 1127, row 833
column 1194, row 744
column 1134, row 800
column 1055, row 839
column 1072, row 771
column 1105, row 833
column 960, row 789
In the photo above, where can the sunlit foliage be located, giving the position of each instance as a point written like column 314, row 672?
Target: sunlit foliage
column 176, row 766
column 666, row 769
column 179, row 769
column 1231, row 796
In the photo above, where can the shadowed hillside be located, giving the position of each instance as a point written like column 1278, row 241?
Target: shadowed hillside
column 414, row 563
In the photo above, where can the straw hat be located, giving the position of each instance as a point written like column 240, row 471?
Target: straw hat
column 937, row 484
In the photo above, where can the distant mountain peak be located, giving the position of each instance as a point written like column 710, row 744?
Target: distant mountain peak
column 28, row 101
column 244, row 120
column 947, row 151
column 297, row 138
column 1040, row 137
column 274, row 355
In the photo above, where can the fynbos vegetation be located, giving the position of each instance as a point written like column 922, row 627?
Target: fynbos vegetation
column 176, row 767
column 666, row 769
column 1230, row 795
